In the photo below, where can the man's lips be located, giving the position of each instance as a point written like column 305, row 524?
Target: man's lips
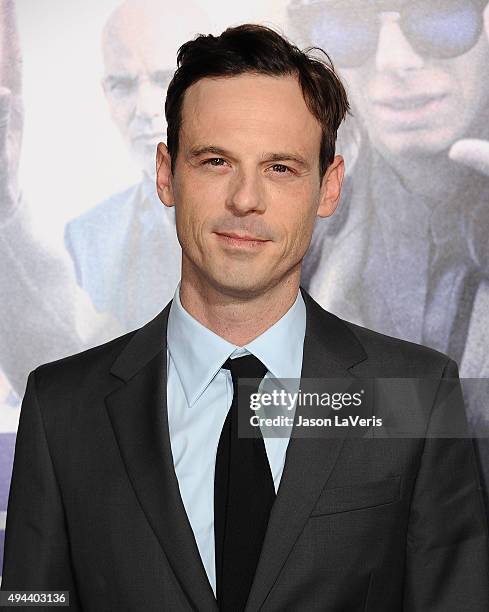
column 241, row 236
column 407, row 102
column 240, row 240
column 149, row 136
column 408, row 112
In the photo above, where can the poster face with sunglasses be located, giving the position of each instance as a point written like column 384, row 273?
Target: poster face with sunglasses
column 415, row 69
column 407, row 255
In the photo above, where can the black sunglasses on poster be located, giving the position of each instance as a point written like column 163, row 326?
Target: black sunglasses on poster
column 349, row 31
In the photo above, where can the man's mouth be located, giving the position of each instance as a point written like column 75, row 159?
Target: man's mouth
column 240, row 240
column 240, row 236
column 407, row 102
column 149, row 137
column 409, row 112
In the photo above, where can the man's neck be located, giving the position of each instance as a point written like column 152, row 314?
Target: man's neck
column 238, row 320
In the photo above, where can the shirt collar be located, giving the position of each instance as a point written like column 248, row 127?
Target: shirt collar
column 198, row 353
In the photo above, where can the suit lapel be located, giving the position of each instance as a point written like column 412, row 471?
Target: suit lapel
column 330, row 348
column 138, row 413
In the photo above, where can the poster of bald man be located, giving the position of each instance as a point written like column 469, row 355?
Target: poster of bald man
column 88, row 251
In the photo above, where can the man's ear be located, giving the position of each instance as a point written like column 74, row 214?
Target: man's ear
column 164, row 185
column 331, row 187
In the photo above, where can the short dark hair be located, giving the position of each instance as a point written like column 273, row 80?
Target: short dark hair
column 257, row 49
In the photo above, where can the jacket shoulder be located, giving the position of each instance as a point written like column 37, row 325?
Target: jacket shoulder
column 398, row 357
column 80, row 371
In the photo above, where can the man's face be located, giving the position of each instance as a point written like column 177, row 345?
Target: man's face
column 138, row 67
column 411, row 102
column 248, row 165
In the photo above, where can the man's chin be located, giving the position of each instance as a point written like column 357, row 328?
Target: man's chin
column 413, row 145
column 241, row 288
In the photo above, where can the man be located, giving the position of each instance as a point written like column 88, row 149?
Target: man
column 411, row 255
column 131, row 488
column 37, row 286
column 111, row 244
column 408, row 253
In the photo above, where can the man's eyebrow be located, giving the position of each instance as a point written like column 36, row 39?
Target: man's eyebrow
column 205, row 149
column 286, row 156
column 268, row 157
column 117, row 76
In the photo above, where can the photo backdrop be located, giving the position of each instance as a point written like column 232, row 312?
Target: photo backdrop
column 88, row 251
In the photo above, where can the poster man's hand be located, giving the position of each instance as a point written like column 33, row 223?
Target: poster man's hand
column 473, row 153
column 11, row 108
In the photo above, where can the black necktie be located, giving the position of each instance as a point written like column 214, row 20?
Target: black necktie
column 243, row 494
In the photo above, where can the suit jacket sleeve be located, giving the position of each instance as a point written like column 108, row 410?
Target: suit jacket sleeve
column 447, row 567
column 37, row 552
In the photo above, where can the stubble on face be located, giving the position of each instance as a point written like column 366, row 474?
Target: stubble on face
column 247, row 166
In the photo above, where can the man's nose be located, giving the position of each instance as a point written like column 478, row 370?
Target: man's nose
column 150, row 99
column 245, row 192
column 394, row 53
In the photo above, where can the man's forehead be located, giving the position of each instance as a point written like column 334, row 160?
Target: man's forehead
column 131, row 50
column 268, row 110
column 146, row 35
column 133, row 61
column 210, row 93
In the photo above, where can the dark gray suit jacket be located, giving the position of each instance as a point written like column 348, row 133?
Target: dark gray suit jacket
column 357, row 525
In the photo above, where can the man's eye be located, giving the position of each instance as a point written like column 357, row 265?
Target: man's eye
column 280, row 168
column 123, row 85
column 215, row 161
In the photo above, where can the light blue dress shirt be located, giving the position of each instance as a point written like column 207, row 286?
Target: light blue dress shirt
column 199, row 395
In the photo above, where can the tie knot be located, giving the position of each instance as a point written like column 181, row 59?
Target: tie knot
column 247, row 366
